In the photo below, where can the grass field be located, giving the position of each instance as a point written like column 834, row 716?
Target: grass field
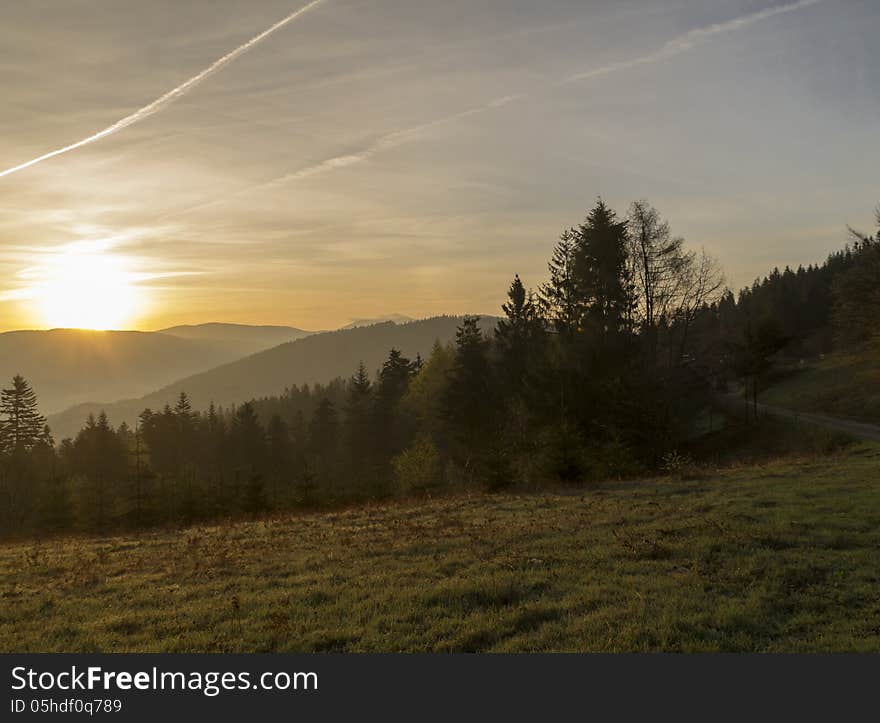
column 777, row 557
column 842, row 385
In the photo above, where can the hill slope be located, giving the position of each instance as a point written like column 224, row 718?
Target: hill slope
column 316, row 358
column 71, row 366
column 779, row 557
column 396, row 318
column 239, row 339
column 842, row 385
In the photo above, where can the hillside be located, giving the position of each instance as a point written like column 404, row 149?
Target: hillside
column 71, row 366
column 239, row 339
column 777, row 557
column 842, row 385
column 396, row 318
column 315, row 358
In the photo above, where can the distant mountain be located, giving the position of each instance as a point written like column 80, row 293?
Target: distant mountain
column 71, row 366
column 396, row 318
column 316, row 358
column 238, row 339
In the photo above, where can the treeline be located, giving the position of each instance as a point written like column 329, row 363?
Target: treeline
column 600, row 371
column 816, row 309
column 791, row 316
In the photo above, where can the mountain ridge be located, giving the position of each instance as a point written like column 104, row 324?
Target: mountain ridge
column 317, row 358
column 70, row 366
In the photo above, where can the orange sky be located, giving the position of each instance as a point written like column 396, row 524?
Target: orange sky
column 411, row 157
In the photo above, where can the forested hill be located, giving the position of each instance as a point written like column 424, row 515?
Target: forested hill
column 611, row 368
column 319, row 358
column 71, row 366
column 240, row 339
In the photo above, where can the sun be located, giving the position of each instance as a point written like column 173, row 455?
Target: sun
column 85, row 289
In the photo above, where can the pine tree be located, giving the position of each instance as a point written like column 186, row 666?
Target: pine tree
column 324, row 430
column 518, row 336
column 247, row 438
column 559, row 296
column 359, row 386
column 601, row 271
column 21, row 424
column 520, row 311
column 183, row 411
column 393, row 378
column 279, row 455
column 469, row 402
column 473, row 409
column 391, row 387
column 856, row 294
column 100, row 458
column 359, row 433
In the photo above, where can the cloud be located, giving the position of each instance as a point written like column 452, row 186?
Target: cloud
column 169, row 97
column 676, row 46
column 384, row 143
column 689, row 40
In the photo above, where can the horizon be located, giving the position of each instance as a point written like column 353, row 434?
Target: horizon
column 394, row 318
column 280, row 163
column 342, row 323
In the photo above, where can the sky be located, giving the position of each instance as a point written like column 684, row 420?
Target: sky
column 410, row 156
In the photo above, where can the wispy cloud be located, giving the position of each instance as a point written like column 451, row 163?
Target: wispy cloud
column 380, row 145
column 169, row 97
column 688, row 41
column 676, row 46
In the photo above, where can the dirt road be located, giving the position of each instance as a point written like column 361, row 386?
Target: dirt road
column 846, row 426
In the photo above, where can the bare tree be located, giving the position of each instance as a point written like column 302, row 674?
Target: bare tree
column 672, row 283
column 861, row 238
column 702, row 285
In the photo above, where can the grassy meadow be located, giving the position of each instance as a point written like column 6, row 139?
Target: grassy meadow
column 781, row 556
column 842, row 385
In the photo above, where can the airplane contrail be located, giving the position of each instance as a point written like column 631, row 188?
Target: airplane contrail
column 689, row 40
column 677, row 45
column 383, row 143
column 169, row 97
column 387, row 142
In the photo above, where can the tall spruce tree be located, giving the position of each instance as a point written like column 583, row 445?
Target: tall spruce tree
column 469, row 394
column 358, row 428
column 21, row 424
column 602, row 273
column 559, row 300
column 517, row 337
column 391, row 386
column 279, row 457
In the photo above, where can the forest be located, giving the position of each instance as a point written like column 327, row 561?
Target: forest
column 603, row 370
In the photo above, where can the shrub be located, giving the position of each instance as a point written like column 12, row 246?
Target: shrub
column 562, row 453
column 417, row 469
column 613, row 459
column 678, row 465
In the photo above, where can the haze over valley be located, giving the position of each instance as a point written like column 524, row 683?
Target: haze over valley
column 318, row 358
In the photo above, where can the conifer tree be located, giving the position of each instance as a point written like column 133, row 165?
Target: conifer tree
column 324, row 430
column 559, row 299
column 469, row 402
column 247, row 437
column 359, row 434
column 279, row 456
column 99, row 457
column 391, row 387
column 601, row 270
column 518, row 336
column 21, row 424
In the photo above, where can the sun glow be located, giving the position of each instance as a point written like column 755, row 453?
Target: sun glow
column 86, row 289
